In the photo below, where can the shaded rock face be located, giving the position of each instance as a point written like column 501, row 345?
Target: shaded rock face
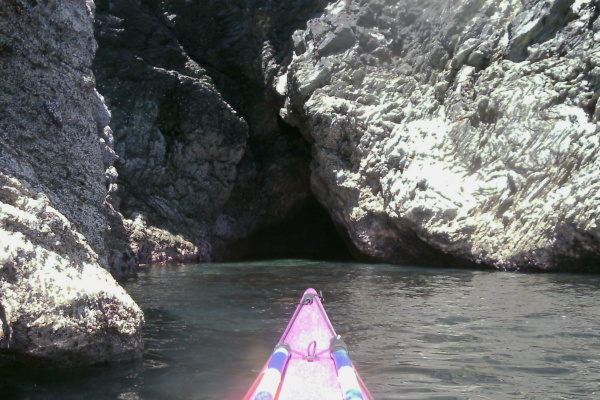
column 58, row 236
column 203, row 158
column 466, row 129
column 308, row 234
column 53, row 121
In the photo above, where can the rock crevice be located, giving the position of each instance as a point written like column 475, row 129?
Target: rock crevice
column 204, row 158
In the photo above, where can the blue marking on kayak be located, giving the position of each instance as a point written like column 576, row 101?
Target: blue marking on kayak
column 353, row 394
column 278, row 360
column 342, row 359
column 264, row 396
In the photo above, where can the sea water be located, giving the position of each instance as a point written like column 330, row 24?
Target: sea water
column 413, row 333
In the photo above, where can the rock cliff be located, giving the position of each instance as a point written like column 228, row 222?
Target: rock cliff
column 466, row 129
column 431, row 131
column 58, row 235
column 204, row 160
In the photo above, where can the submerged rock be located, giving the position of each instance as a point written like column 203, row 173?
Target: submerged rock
column 58, row 235
column 463, row 130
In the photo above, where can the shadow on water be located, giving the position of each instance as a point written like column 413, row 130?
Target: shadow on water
column 414, row 333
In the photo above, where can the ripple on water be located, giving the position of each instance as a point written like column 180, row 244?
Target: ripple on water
column 414, row 333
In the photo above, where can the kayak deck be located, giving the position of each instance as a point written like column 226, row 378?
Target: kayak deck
column 309, row 372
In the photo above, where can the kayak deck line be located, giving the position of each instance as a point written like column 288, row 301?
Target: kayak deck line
column 323, row 371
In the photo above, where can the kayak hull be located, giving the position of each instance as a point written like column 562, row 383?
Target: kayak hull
column 309, row 372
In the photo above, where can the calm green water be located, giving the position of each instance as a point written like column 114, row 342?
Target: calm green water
column 413, row 333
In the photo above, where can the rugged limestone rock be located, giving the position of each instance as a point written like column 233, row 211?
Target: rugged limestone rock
column 57, row 305
column 203, row 158
column 54, row 123
column 463, row 128
column 440, row 130
column 58, row 236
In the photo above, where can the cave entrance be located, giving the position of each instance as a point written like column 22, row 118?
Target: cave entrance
column 308, row 234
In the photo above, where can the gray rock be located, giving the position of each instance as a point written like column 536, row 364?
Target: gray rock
column 58, row 303
column 465, row 132
column 58, row 306
column 440, row 131
column 203, row 158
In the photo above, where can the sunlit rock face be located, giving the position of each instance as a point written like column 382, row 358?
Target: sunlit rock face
column 203, row 158
column 58, row 305
column 464, row 128
column 58, row 235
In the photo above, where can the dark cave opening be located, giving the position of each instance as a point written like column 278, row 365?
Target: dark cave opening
column 308, row 234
